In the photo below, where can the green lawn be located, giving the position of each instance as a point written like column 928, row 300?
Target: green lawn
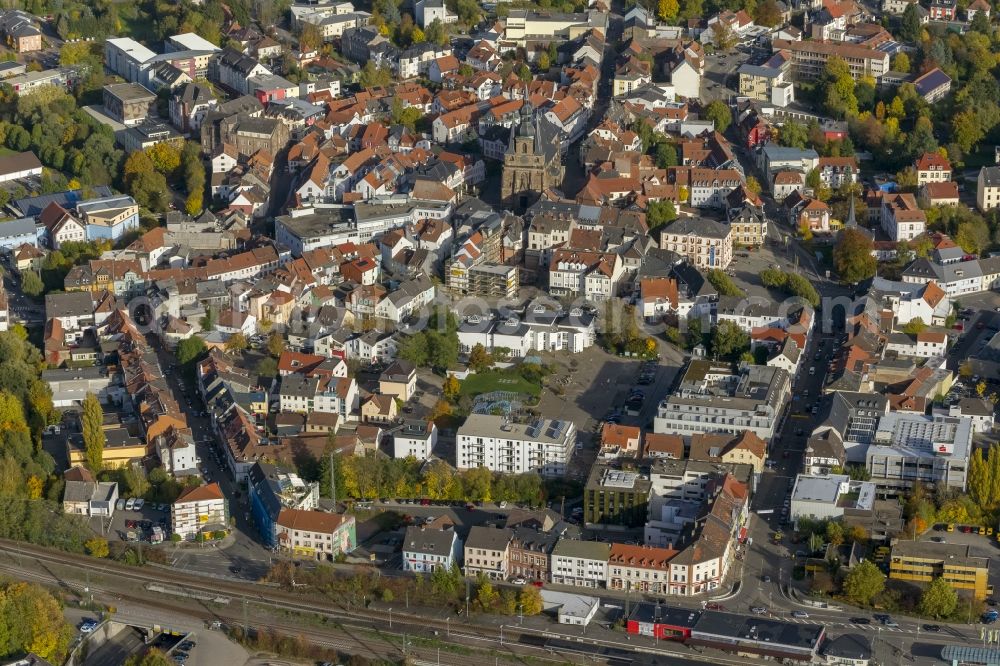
column 486, row 382
column 4, row 151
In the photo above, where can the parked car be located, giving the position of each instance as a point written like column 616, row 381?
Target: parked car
column 802, row 615
column 120, row 505
column 933, row 628
column 860, row 620
column 519, row 581
column 138, row 503
column 88, row 626
column 130, row 504
column 758, row 610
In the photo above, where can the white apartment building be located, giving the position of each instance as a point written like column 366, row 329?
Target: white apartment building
column 712, row 398
column 580, row 563
column 197, row 510
column 538, row 329
column 415, row 439
column 494, row 442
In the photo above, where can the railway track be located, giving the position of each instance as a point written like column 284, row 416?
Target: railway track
column 512, row 640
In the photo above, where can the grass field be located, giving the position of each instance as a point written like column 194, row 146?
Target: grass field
column 486, row 382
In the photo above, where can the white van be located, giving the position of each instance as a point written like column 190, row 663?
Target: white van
column 812, row 370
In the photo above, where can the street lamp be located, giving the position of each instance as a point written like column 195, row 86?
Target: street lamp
column 390, row 618
column 501, row 635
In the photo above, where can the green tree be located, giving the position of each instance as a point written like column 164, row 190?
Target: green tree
column 939, row 599
column 911, row 28
column 773, row 278
column 863, row 583
column 415, row 350
column 436, row 33
column 267, row 367
column 524, row 73
column 768, row 14
column 275, row 344
column 486, row 595
column 813, row 179
column 666, row 154
column 543, row 62
column 834, row 533
column 97, row 547
column 993, row 462
column 753, row 185
column 94, row 438
column 718, row 112
column 660, row 213
column 729, row 340
column 190, row 349
column 667, row 10
column 31, row 283
column 979, row 481
column 901, row 63
column 480, row 359
column 237, row 343
column 914, row 326
column 530, row 600
column 852, row 256
column 723, row 284
column 973, row 235
column 793, row 135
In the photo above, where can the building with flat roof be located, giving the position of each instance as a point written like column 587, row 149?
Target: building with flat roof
column 580, row 563
column 128, row 103
column 615, row 497
column 821, row 497
column 923, row 561
column 668, row 623
column 711, row 397
column 501, row 445
column 909, row 448
column 576, row 609
column 753, row 635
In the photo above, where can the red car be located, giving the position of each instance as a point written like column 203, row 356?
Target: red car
column 537, row 583
column 425, row 502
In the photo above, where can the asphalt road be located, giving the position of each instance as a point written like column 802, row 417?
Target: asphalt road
column 127, row 642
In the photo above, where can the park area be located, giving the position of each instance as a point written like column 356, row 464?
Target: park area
column 499, row 380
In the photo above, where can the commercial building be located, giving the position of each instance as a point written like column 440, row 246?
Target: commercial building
column 90, row 498
column 752, row 635
column 826, row 497
column 923, row 561
column 500, row 445
column 580, row 563
column 645, row 569
column 19, row 165
column 615, row 497
column 667, row 623
column 711, row 397
column 910, row 448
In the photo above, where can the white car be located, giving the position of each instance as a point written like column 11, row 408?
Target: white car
column 138, row 503
column 519, row 581
column 88, row 627
column 130, row 504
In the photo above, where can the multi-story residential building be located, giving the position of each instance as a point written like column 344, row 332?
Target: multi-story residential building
column 426, row 549
column 315, row 534
column 925, row 561
column 580, row 563
column 592, row 275
column 835, row 172
column 415, row 439
column 496, row 443
column 109, row 218
column 199, row 510
column 902, row 218
column 615, row 497
column 809, row 58
column 529, row 553
column 713, row 398
column 487, row 551
column 988, row 188
column 705, row 243
column 915, row 448
column 189, row 105
column 331, row 395
column 766, row 84
column 749, row 225
column 21, row 30
column 932, row 168
column 644, row 569
column 272, row 490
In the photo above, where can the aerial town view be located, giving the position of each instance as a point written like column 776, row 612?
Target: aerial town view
column 521, row 332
